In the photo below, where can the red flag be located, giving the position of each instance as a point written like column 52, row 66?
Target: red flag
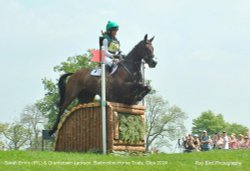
column 96, row 56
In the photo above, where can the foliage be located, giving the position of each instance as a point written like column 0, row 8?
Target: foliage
column 236, row 129
column 47, row 105
column 213, row 123
column 210, row 122
column 16, row 134
column 131, row 128
column 75, row 63
column 2, row 127
column 164, row 123
column 33, row 119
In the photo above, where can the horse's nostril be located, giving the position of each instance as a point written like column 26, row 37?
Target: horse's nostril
column 155, row 63
column 152, row 64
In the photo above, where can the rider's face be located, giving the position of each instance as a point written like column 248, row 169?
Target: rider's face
column 113, row 33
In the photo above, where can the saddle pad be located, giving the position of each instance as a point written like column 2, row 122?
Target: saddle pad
column 97, row 72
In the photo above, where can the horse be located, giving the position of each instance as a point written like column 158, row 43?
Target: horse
column 124, row 86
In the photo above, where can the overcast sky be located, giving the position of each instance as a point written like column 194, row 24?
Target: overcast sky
column 202, row 48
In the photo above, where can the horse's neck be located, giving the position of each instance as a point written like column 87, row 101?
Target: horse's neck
column 132, row 64
column 134, row 59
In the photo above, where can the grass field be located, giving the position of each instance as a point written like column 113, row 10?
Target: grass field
column 213, row 160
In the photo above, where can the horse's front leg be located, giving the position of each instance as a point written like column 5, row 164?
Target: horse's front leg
column 144, row 90
column 129, row 93
column 122, row 93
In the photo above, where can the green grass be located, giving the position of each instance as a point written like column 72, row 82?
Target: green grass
column 52, row 161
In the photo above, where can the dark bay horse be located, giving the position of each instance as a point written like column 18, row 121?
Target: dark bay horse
column 124, row 86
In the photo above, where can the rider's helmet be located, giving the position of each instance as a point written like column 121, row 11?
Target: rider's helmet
column 112, row 26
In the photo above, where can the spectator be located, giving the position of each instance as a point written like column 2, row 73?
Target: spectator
column 233, row 142
column 248, row 135
column 240, row 141
column 184, row 139
column 225, row 141
column 189, row 146
column 214, row 140
column 245, row 143
column 197, row 144
column 205, row 141
column 219, row 143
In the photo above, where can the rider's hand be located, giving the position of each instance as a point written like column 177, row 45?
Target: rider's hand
column 116, row 56
column 115, row 60
column 120, row 56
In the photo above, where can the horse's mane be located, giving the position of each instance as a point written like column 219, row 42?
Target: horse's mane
column 134, row 49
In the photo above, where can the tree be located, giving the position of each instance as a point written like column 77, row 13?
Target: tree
column 236, row 128
column 2, row 129
column 16, row 134
column 210, row 122
column 213, row 123
column 2, row 146
column 47, row 105
column 163, row 122
column 33, row 119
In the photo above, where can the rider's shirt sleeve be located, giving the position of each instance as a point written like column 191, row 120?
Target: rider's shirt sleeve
column 106, row 48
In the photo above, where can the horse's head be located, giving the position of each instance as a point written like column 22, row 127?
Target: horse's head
column 147, row 51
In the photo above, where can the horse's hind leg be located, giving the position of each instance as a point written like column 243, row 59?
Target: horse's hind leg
column 86, row 97
column 69, row 97
column 60, row 113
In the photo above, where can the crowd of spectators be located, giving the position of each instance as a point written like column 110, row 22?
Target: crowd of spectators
column 218, row 141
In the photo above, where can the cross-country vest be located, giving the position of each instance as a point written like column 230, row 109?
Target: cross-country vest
column 113, row 44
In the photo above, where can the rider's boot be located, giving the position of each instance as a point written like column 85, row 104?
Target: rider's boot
column 108, row 68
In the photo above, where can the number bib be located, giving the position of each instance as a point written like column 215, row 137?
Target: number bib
column 114, row 46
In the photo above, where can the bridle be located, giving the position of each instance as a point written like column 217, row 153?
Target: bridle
column 136, row 64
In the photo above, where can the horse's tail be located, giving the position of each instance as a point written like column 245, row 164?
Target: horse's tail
column 62, row 87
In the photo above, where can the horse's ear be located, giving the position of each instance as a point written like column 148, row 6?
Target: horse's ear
column 145, row 38
column 152, row 39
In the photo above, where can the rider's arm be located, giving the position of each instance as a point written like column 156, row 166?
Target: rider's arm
column 105, row 45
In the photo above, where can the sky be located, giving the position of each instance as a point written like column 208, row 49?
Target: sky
column 202, row 49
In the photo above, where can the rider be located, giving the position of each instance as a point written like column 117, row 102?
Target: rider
column 111, row 44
